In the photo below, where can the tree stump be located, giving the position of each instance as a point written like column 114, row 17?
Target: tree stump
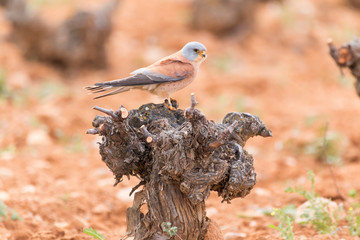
column 179, row 157
column 348, row 55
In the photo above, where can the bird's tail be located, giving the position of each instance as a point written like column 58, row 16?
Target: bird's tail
column 108, row 90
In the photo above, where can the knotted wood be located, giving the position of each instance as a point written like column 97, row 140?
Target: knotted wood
column 180, row 157
column 348, row 56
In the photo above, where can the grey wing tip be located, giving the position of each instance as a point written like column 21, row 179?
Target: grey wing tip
column 99, row 97
column 94, row 87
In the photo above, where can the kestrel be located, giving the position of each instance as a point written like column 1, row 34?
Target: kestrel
column 161, row 78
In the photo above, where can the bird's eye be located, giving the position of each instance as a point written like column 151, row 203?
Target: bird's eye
column 196, row 50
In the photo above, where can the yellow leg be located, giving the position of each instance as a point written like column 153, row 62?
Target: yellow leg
column 168, row 102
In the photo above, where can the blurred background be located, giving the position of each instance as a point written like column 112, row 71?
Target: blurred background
column 268, row 58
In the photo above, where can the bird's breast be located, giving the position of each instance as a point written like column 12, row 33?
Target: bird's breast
column 165, row 89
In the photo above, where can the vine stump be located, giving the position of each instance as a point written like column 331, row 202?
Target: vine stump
column 179, row 157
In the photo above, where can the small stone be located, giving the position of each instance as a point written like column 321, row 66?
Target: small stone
column 5, row 172
column 28, row 189
column 4, row 196
column 100, row 208
column 261, row 191
column 38, row 137
column 61, row 224
column 253, row 223
column 330, row 206
column 234, row 235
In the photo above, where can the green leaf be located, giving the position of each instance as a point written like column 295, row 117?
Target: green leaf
column 273, row 226
column 92, row 232
column 15, row 216
column 352, row 193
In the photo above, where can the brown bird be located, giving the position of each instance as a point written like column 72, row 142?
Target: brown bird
column 161, row 78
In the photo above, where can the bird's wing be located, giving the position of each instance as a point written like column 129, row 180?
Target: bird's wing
column 168, row 70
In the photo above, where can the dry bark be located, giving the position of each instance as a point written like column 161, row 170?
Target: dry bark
column 77, row 42
column 180, row 157
column 348, row 55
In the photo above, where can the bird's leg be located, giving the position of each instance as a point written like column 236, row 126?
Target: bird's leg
column 171, row 103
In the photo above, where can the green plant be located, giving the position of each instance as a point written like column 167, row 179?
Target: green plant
column 286, row 216
column 92, row 232
column 302, row 191
column 327, row 146
column 353, row 215
column 171, row 231
column 352, row 193
column 353, row 219
column 318, row 211
column 3, row 89
column 5, row 210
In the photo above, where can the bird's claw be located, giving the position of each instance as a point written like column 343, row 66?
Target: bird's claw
column 171, row 104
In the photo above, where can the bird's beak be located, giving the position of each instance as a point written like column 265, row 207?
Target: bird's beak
column 203, row 54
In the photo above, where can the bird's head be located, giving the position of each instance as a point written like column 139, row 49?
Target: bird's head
column 194, row 51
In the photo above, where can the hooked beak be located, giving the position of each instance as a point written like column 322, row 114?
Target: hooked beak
column 203, row 54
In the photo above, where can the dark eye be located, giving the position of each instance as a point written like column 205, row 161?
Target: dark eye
column 196, row 50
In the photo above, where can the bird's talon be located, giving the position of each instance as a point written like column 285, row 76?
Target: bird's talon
column 171, row 104
column 174, row 103
column 171, row 108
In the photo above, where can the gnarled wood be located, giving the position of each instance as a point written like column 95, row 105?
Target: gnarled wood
column 180, row 157
column 348, row 55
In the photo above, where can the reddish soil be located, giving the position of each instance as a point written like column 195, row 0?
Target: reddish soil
column 51, row 172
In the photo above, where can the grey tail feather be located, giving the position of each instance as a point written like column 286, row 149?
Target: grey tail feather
column 116, row 91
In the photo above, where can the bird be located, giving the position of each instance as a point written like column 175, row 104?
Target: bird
column 161, row 78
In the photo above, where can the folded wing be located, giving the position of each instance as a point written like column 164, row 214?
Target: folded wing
column 166, row 71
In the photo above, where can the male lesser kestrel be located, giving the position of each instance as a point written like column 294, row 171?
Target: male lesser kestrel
column 161, row 78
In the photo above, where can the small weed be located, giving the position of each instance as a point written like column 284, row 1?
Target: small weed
column 92, row 232
column 15, row 216
column 168, row 229
column 321, row 213
column 66, row 197
column 353, row 219
column 302, row 191
column 327, row 146
column 353, row 215
column 3, row 89
column 318, row 213
column 352, row 193
column 8, row 151
column 5, row 210
column 286, row 216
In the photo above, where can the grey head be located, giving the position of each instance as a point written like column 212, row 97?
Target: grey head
column 192, row 50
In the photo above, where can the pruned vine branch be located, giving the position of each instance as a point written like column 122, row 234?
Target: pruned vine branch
column 348, row 56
